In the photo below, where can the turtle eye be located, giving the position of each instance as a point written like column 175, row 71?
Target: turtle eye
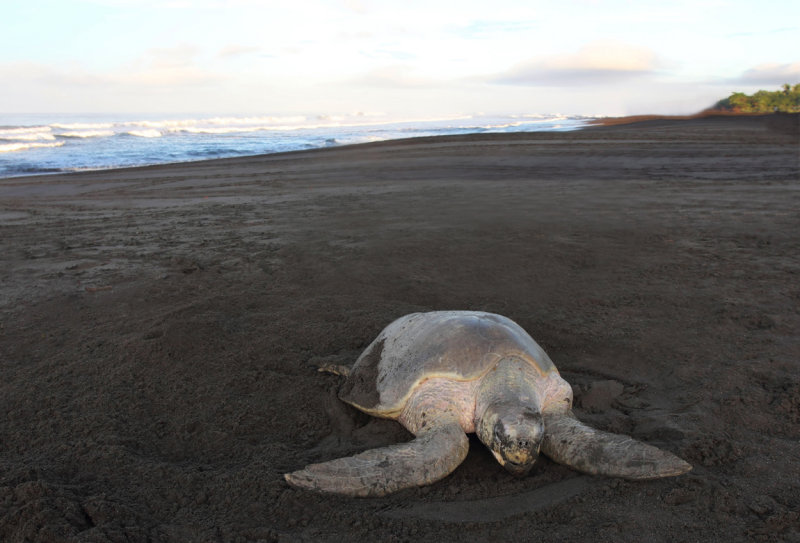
column 499, row 431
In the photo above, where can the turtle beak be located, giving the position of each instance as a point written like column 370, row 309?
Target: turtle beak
column 521, row 463
column 519, row 468
column 518, row 445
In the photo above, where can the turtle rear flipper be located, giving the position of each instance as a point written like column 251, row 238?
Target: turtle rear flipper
column 431, row 456
column 335, row 369
column 570, row 442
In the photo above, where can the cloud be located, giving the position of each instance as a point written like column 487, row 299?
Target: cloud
column 356, row 6
column 176, row 4
column 72, row 88
column 164, row 67
column 768, row 32
column 232, row 51
column 179, row 56
column 395, row 76
column 492, row 29
column 166, row 78
column 32, row 73
column 595, row 63
column 770, row 73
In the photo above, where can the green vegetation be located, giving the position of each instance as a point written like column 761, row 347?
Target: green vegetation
column 786, row 100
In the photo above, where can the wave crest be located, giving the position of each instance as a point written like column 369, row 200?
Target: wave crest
column 31, row 133
column 82, row 126
column 86, row 134
column 147, row 133
column 12, row 147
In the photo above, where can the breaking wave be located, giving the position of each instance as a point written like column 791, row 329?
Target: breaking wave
column 82, row 126
column 86, row 134
column 32, row 133
column 13, row 147
column 146, row 133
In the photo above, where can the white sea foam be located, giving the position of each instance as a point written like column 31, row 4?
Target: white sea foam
column 86, row 134
column 12, row 147
column 214, row 130
column 162, row 124
column 24, row 130
column 355, row 139
column 82, row 126
column 208, row 123
column 32, row 136
column 147, row 133
column 230, row 125
column 252, row 120
column 27, row 133
column 503, row 125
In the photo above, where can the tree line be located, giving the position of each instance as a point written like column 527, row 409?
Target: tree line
column 786, row 100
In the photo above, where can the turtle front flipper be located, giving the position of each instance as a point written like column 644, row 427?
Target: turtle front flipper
column 431, row 456
column 570, row 442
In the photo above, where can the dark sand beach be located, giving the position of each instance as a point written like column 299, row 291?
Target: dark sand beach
column 160, row 329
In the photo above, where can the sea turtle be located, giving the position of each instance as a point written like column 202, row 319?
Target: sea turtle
column 445, row 374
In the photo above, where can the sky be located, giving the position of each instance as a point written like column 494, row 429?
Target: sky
column 404, row 58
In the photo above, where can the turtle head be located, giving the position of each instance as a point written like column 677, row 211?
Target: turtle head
column 514, row 435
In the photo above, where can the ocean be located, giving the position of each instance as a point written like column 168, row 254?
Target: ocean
column 44, row 144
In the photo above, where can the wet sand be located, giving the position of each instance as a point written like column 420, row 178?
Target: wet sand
column 160, row 329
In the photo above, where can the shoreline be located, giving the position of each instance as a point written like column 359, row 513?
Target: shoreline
column 786, row 123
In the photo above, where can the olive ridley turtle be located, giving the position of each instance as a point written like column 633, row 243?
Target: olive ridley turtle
column 445, row 374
